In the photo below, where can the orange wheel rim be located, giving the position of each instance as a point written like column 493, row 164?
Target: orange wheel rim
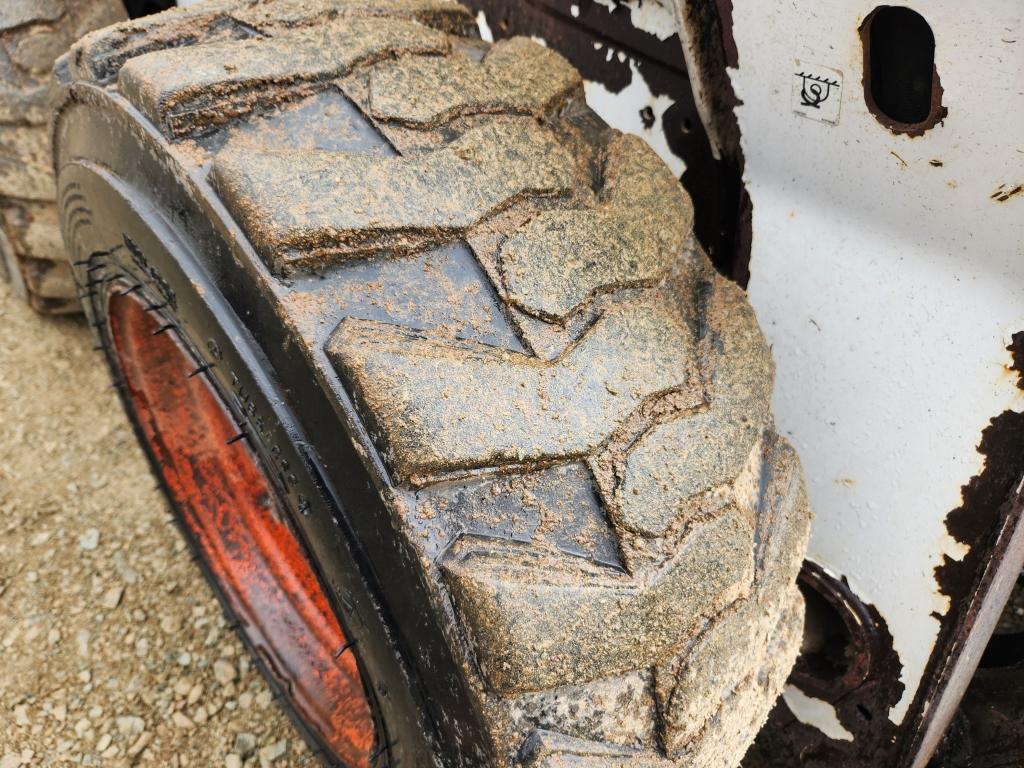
column 229, row 506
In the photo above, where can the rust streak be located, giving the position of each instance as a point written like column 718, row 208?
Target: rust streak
column 1002, row 194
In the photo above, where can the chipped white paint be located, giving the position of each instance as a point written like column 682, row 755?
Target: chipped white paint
column 652, row 16
column 485, row 29
column 815, row 712
column 623, row 110
column 888, row 283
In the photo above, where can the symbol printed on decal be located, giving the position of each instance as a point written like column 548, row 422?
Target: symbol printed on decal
column 817, row 91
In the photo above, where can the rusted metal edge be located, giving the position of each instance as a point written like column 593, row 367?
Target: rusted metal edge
column 870, row 640
column 1016, row 350
column 997, row 567
column 959, row 657
column 709, row 49
column 991, row 522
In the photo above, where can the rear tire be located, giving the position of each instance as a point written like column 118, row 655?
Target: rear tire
column 33, row 33
column 527, row 427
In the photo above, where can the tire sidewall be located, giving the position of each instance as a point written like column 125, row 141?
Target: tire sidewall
column 120, row 238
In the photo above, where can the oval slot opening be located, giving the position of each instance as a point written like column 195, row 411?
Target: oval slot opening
column 901, row 85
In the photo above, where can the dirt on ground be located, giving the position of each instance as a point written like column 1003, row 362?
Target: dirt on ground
column 113, row 650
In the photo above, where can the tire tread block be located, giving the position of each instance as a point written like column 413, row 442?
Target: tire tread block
column 632, row 237
column 531, row 631
column 743, row 709
column 611, row 711
column 309, row 209
column 441, row 406
column 26, row 170
column 100, row 56
column 232, row 78
column 547, row 749
column 695, row 453
column 33, row 33
column 444, row 15
column 17, row 13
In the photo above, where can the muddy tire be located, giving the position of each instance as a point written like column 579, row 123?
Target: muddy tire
column 518, row 425
column 33, row 33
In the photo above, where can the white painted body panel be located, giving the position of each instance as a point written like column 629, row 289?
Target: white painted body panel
column 888, row 287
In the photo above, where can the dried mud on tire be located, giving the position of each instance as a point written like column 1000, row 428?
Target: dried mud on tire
column 545, row 417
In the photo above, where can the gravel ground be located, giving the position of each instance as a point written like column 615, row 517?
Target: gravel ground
column 113, row 651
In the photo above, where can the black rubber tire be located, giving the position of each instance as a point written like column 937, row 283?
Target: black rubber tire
column 33, row 33
column 528, row 427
